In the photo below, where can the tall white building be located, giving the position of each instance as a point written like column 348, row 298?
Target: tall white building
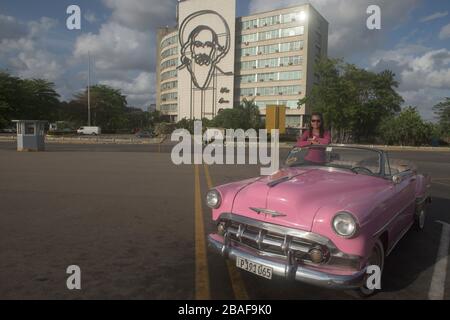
column 212, row 60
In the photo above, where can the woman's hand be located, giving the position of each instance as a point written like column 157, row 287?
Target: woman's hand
column 315, row 141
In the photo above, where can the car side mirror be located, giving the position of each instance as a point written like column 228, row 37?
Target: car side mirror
column 396, row 179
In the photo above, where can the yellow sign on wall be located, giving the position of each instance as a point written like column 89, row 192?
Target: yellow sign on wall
column 276, row 118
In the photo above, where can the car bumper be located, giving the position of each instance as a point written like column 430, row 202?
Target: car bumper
column 290, row 272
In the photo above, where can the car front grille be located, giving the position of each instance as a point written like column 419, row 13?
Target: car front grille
column 268, row 241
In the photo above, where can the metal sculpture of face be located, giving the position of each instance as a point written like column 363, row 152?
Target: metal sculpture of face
column 201, row 49
column 203, row 45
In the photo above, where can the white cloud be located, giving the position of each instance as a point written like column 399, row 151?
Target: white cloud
column 348, row 32
column 124, row 47
column 423, row 73
column 143, row 15
column 445, row 32
column 117, row 47
column 10, row 28
column 434, row 16
column 138, row 90
column 25, row 51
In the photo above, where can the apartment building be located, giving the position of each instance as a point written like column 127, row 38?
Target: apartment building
column 212, row 60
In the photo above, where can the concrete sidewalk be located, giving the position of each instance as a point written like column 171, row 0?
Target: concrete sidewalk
column 93, row 140
column 122, row 140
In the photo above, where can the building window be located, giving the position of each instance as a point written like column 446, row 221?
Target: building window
column 292, row 104
column 247, row 78
column 268, row 63
column 272, row 34
column 169, row 52
column 247, row 92
column 265, row 103
column 168, row 74
column 289, row 90
column 249, row 24
column 169, row 63
column 169, row 41
column 269, row 21
column 293, row 17
column 169, row 85
column 169, row 96
column 290, row 32
column 290, row 75
column 246, row 65
column 266, row 91
column 291, row 46
column 281, row 90
column 249, row 38
column 173, row 107
column 268, row 49
column 291, row 61
column 29, row 128
column 270, row 76
column 248, row 51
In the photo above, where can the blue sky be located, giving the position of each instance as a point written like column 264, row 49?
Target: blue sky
column 414, row 42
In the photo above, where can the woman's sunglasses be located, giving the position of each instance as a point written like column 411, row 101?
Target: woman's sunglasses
column 314, row 121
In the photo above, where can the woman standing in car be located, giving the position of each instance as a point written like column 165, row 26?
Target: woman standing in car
column 315, row 137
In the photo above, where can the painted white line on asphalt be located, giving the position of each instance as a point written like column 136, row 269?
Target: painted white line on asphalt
column 441, row 183
column 437, row 286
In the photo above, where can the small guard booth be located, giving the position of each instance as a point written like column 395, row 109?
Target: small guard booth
column 30, row 135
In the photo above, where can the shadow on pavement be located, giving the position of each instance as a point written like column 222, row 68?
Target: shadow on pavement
column 417, row 251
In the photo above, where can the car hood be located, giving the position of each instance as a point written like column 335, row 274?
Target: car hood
column 296, row 195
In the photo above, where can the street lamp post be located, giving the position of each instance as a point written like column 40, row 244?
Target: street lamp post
column 89, row 89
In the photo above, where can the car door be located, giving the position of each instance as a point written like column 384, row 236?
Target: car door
column 402, row 200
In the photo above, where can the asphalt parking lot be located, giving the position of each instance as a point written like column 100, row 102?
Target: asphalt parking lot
column 131, row 220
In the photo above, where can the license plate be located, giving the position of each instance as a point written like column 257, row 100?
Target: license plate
column 253, row 267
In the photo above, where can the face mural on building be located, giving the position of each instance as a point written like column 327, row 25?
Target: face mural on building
column 205, row 41
column 203, row 47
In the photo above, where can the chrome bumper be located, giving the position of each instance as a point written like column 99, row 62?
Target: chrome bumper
column 291, row 272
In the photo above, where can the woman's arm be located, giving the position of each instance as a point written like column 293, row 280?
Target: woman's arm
column 326, row 138
column 303, row 140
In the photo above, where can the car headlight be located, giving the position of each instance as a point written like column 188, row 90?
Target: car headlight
column 213, row 199
column 344, row 224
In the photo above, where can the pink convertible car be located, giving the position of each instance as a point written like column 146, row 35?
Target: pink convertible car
column 331, row 212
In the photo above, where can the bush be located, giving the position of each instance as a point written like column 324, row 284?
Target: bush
column 164, row 128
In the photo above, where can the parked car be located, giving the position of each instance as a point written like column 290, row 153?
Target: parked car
column 326, row 216
column 89, row 131
column 144, row 134
column 8, row 130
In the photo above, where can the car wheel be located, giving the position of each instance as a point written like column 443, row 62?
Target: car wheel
column 376, row 258
column 420, row 217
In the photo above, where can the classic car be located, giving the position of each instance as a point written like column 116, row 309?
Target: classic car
column 323, row 219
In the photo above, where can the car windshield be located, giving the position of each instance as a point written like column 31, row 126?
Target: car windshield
column 358, row 160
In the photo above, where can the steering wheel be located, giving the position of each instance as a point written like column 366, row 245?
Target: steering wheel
column 356, row 169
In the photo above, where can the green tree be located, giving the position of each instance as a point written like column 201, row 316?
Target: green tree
column 353, row 101
column 442, row 110
column 4, row 111
column 43, row 101
column 244, row 116
column 108, row 107
column 27, row 99
column 407, row 128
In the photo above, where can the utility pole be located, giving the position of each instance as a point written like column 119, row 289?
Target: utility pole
column 89, row 89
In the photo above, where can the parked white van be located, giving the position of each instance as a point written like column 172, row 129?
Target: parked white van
column 89, row 131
